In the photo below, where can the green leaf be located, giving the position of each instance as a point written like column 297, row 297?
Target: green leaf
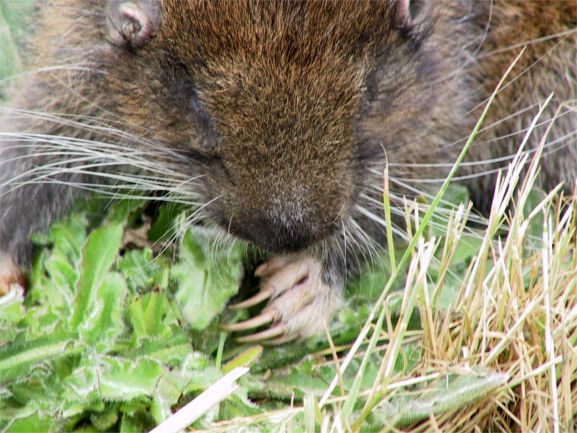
column 147, row 315
column 450, row 395
column 456, row 194
column 17, row 359
column 468, row 247
column 143, row 271
column 131, row 424
column 104, row 420
column 122, row 209
column 244, row 359
column 31, row 423
column 68, row 236
column 114, row 379
column 98, row 256
column 168, row 392
column 206, row 277
column 82, row 385
column 125, row 379
column 63, row 277
column 372, row 277
column 163, row 228
column 106, row 322
column 171, row 350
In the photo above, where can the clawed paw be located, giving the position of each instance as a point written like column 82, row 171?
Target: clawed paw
column 299, row 305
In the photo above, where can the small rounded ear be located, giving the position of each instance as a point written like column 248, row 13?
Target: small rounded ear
column 408, row 12
column 132, row 24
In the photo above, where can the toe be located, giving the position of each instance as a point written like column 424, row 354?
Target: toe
column 275, row 331
column 255, row 322
column 261, row 296
column 272, row 266
column 287, row 338
column 293, row 275
column 300, row 303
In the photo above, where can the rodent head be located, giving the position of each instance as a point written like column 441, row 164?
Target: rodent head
column 282, row 106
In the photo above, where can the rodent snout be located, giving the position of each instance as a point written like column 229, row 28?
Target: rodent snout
column 278, row 233
column 283, row 225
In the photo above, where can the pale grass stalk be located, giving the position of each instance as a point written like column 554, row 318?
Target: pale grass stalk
column 549, row 343
column 505, row 190
column 455, row 229
column 388, row 220
column 529, row 309
column 414, row 282
column 535, row 372
column 202, row 404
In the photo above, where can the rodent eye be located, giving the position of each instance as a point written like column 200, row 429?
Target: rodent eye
column 132, row 24
column 186, row 96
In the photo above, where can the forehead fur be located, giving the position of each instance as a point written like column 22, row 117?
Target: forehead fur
column 297, row 31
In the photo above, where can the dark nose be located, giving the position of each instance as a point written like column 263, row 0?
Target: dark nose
column 278, row 234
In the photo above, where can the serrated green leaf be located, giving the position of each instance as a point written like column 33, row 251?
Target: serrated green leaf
column 81, row 385
column 125, row 379
column 206, row 277
column 171, row 351
column 17, row 359
column 39, row 392
column 131, row 424
column 200, row 379
column 453, row 393
column 142, row 270
column 32, row 423
column 168, row 391
column 63, row 277
column 104, row 420
column 147, row 315
column 106, row 322
column 98, row 256
column 114, row 379
column 121, row 210
column 69, row 236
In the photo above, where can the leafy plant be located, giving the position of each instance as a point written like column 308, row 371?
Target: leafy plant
column 103, row 336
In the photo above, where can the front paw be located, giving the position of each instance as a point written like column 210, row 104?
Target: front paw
column 303, row 297
column 9, row 274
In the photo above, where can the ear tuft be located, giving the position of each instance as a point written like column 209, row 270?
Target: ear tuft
column 408, row 12
column 132, row 24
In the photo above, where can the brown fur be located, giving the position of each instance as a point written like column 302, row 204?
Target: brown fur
column 546, row 67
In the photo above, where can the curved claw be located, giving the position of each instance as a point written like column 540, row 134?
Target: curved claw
column 272, row 266
column 255, row 322
column 281, row 340
column 261, row 269
column 263, row 295
column 275, row 331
